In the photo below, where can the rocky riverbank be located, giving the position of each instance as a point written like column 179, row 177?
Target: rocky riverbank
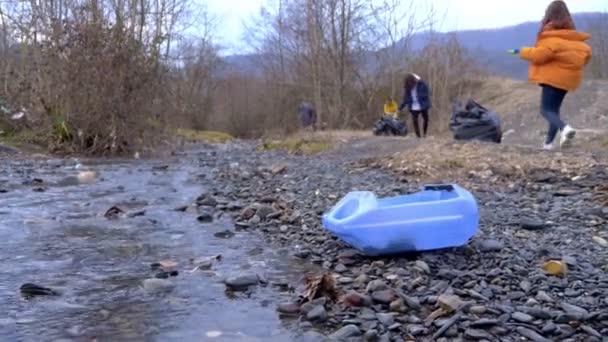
column 493, row 289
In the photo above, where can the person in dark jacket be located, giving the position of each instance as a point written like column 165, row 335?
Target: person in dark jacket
column 416, row 96
column 307, row 115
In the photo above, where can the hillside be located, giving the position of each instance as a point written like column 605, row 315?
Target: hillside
column 487, row 46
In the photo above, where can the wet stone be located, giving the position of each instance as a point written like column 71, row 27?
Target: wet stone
column 155, row 284
column 205, row 218
column 241, row 282
column 225, row 234
column 288, row 308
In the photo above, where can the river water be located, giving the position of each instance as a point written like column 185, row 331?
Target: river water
column 54, row 234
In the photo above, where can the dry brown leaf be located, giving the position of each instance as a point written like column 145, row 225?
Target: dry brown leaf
column 323, row 285
column 555, row 267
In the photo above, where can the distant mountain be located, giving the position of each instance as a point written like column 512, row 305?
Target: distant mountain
column 487, row 46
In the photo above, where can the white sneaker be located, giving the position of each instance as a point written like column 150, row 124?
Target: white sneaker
column 547, row 147
column 568, row 134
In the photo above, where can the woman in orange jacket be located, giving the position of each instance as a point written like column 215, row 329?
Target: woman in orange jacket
column 556, row 63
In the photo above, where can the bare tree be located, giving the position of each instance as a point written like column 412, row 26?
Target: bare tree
column 599, row 43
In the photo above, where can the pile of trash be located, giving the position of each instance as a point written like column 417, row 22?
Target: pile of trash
column 388, row 125
column 474, row 122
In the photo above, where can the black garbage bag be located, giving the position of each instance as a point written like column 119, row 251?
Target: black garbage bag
column 388, row 125
column 474, row 122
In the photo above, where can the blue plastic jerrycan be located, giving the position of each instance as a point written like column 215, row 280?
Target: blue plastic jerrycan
column 439, row 216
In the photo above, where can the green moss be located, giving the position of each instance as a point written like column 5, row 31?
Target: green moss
column 297, row 146
column 212, row 137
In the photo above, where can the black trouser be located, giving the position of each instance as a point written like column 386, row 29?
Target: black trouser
column 425, row 121
column 550, row 104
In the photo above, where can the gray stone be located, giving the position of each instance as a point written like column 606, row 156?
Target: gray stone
column 531, row 334
column 242, row 281
column 346, row 332
column 485, row 323
column 417, row 330
column 475, row 334
column 376, row 285
column 569, row 308
column 490, row 245
column 340, row 268
column 542, row 296
column 156, row 284
column 522, row 317
column 313, row 336
column 532, row 224
column 383, row 297
column 317, row 314
column 386, row 319
column 371, row 335
column 288, row 308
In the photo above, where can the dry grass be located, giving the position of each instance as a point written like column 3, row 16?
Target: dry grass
column 211, row 137
column 298, row 145
column 443, row 161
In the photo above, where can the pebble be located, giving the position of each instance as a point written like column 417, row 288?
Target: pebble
column 383, row 296
column 242, row 281
column 423, row 266
column 370, row 335
column 573, row 309
column 532, row 224
column 478, row 309
column 156, row 284
column 417, row 330
column 205, row 218
column 485, row 323
column 476, row 334
column 531, row 334
column 340, row 268
column 396, row 305
column 288, row 308
column 490, row 245
column 522, row 317
column 354, row 298
column 386, row 319
column 542, row 296
column 317, row 314
column 376, row 285
column 346, row 332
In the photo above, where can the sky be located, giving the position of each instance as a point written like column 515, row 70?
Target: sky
column 459, row 14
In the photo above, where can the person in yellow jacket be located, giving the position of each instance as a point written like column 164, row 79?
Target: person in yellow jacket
column 557, row 62
column 390, row 107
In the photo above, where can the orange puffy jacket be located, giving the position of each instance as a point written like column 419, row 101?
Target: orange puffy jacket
column 558, row 59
